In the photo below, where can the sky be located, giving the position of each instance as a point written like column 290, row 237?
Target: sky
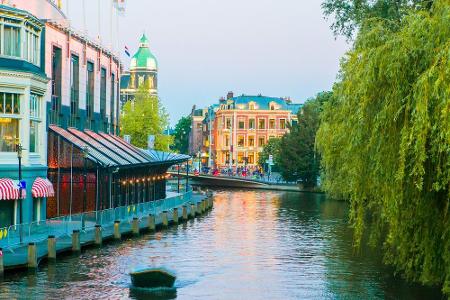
column 205, row 48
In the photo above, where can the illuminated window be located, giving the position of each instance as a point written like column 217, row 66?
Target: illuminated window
column 251, row 124
column 261, row 141
column 241, row 141
column 9, row 121
column 261, row 124
column 282, row 124
column 272, row 124
column 251, row 106
column 226, row 140
column 251, row 141
column 251, row 158
column 228, row 123
column 240, row 157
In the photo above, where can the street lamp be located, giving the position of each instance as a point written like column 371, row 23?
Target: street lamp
column 245, row 165
column 85, row 156
column 19, row 156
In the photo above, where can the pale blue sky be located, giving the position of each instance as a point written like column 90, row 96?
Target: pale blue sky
column 206, row 48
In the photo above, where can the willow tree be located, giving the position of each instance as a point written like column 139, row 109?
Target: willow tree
column 144, row 116
column 385, row 140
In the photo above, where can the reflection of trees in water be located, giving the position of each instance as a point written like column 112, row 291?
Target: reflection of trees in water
column 362, row 273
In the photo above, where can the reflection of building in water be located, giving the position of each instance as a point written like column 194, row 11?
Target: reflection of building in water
column 143, row 72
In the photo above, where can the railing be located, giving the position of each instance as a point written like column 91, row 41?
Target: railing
column 15, row 235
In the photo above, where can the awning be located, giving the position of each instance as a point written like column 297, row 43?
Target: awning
column 42, row 187
column 109, row 151
column 9, row 189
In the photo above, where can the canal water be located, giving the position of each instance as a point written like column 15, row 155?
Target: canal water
column 252, row 245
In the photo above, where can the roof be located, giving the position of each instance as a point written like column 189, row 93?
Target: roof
column 22, row 12
column 107, row 150
column 20, row 65
column 144, row 58
column 264, row 102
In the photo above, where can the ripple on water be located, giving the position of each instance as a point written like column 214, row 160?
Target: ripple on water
column 252, row 245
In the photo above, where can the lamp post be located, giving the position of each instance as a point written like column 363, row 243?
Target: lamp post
column 245, row 165
column 19, row 156
column 85, row 155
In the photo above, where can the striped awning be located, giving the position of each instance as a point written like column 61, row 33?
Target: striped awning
column 42, row 187
column 9, row 189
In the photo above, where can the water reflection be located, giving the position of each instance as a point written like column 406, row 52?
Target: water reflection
column 253, row 245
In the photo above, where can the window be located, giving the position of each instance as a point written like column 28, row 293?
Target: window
column 226, row 140
column 261, row 124
column 90, row 91
column 241, row 141
column 251, row 158
column 111, row 104
column 103, row 93
column 34, row 136
column 272, row 124
column 35, row 119
column 9, row 121
column 31, row 46
column 241, row 124
column 261, row 141
column 74, row 86
column 240, row 157
column 11, row 37
column 251, row 124
column 56, row 79
column 282, row 124
column 251, row 141
column 272, row 107
column 251, row 106
column 228, row 123
column 272, row 137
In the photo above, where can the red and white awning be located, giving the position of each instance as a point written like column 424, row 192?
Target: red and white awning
column 42, row 187
column 9, row 189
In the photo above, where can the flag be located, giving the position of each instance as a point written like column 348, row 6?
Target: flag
column 127, row 51
column 120, row 6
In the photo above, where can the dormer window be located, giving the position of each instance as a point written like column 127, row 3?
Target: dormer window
column 251, row 105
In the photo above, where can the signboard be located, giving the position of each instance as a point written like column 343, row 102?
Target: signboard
column 23, row 184
column 151, row 142
column 127, row 138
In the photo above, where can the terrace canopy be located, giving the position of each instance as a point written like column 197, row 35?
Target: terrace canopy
column 92, row 171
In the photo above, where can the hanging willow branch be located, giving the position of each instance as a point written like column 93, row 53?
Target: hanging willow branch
column 385, row 141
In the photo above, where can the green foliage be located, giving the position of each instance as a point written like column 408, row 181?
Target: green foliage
column 298, row 159
column 271, row 148
column 385, row 141
column 145, row 116
column 350, row 15
column 181, row 135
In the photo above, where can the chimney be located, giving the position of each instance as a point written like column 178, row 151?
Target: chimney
column 230, row 95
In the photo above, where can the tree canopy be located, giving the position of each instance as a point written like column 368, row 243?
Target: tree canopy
column 272, row 147
column 181, row 135
column 385, row 140
column 298, row 159
column 349, row 15
column 144, row 116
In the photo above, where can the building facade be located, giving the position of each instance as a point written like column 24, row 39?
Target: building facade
column 23, row 94
column 143, row 72
column 235, row 130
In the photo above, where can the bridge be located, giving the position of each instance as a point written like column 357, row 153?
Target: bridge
column 235, row 182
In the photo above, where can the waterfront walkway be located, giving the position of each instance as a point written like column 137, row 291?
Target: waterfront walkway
column 15, row 247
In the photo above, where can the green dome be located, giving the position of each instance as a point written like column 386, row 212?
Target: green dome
column 144, row 59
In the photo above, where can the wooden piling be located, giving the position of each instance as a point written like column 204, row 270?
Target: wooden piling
column 151, row 222
column 175, row 215
column 2, row 266
column 98, row 235
column 76, row 246
column 192, row 210
column 117, row 235
column 135, row 226
column 165, row 221
column 51, row 247
column 184, row 213
column 32, row 256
